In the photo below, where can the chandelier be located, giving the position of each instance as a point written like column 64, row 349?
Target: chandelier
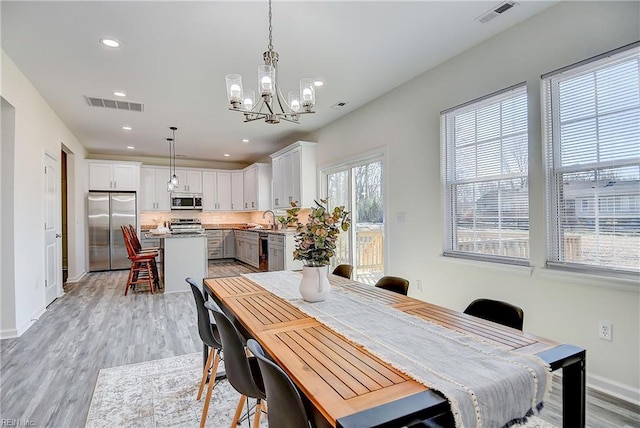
column 173, row 183
column 271, row 106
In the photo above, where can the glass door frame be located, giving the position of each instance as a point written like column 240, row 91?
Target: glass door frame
column 378, row 155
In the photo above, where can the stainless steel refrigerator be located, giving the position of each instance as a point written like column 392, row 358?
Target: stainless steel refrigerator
column 107, row 212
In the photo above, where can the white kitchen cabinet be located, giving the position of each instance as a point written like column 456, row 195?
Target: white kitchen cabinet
column 295, row 175
column 237, row 191
column 153, row 189
column 280, row 251
column 257, row 187
column 216, row 191
column 277, row 170
column 247, row 247
column 229, row 247
column 189, row 180
column 215, row 243
column 223, row 190
column 113, row 176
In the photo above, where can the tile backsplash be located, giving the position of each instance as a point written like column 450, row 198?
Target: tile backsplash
column 151, row 218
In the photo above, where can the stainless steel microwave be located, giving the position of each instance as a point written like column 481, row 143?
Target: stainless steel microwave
column 186, row 201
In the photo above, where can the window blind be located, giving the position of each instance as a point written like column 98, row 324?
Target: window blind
column 485, row 164
column 592, row 144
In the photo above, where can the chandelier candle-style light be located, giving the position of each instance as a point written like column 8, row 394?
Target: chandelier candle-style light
column 271, row 106
column 173, row 183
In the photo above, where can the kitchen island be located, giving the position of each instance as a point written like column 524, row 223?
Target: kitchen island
column 185, row 255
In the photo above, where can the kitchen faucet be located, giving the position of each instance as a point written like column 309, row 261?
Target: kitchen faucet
column 273, row 218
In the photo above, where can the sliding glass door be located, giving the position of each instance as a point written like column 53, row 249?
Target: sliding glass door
column 359, row 187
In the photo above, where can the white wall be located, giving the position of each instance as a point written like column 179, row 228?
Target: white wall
column 561, row 307
column 37, row 130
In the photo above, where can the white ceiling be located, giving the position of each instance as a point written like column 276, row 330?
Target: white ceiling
column 175, row 55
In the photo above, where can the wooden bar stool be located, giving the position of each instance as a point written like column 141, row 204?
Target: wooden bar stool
column 142, row 270
column 137, row 248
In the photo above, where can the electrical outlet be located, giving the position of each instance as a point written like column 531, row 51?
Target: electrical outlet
column 605, row 330
column 419, row 284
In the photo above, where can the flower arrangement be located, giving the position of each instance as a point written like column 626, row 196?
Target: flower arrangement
column 316, row 239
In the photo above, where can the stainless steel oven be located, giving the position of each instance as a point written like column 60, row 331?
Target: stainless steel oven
column 186, row 201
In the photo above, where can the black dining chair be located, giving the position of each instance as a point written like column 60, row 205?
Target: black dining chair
column 344, row 271
column 211, row 337
column 394, row 283
column 497, row 311
column 242, row 371
column 286, row 409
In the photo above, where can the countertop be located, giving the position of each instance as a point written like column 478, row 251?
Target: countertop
column 172, row 236
column 145, row 228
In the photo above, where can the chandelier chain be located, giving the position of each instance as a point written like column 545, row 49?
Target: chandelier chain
column 270, row 47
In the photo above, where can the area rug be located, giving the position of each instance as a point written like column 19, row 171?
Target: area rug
column 162, row 393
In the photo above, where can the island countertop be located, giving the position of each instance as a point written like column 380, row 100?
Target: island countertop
column 149, row 235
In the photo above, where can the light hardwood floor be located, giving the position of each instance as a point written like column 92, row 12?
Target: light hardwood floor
column 48, row 375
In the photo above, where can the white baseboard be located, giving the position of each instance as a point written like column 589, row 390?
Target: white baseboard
column 32, row 320
column 76, row 278
column 609, row 387
column 615, row 389
column 9, row 333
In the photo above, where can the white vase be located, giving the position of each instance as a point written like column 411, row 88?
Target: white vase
column 314, row 286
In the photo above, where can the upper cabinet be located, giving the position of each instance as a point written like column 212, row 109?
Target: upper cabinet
column 240, row 190
column 113, row 176
column 153, row 189
column 216, row 191
column 189, row 180
column 294, row 175
column 237, row 191
column 257, row 187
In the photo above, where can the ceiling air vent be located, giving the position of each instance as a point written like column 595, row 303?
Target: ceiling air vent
column 496, row 11
column 115, row 104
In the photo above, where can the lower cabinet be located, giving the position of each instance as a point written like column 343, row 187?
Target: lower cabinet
column 248, row 247
column 215, row 244
column 244, row 245
column 281, row 252
column 229, row 246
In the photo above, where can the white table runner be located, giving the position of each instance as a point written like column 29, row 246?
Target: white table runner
column 487, row 385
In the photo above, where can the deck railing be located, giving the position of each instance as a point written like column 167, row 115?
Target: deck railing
column 511, row 243
column 368, row 253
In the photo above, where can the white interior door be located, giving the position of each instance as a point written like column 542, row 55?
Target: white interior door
column 52, row 232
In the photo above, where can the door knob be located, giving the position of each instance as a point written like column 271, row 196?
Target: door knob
column 58, row 235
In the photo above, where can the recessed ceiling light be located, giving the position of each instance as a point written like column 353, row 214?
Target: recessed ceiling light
column 226, row 155
column 318, row 83
column 126, row 128
column 130, row 147
column 245, row 140
column 119, row 94
column 110, row 42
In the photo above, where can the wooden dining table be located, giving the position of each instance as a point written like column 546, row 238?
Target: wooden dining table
column 344, row 385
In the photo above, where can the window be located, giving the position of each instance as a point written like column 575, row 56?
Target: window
column 358, row 186
column 592, row 142
column 485, row 165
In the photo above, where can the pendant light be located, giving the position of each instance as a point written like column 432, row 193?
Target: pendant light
column 173, row 183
